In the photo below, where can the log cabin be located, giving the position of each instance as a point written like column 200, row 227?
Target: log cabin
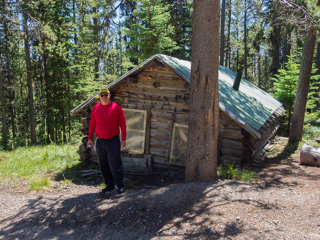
column 155, row 99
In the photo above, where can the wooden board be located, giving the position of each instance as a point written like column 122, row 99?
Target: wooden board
column 131, row 164
column 231, row 152
column 230, row 134
column 232, row 144
column 227, row 161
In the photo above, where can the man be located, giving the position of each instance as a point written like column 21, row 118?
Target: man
column 106, row 119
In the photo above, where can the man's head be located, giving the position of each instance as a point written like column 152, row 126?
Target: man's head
column 104, row 95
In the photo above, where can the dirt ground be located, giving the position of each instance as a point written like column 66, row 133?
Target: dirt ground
column 282, row 204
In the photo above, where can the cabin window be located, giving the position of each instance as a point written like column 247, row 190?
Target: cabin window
column 178, row 152
column 136, row 129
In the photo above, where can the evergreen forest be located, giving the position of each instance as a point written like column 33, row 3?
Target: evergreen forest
column 54, row 54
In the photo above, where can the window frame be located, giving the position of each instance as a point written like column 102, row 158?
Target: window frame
column 144, row 131
column 173, row 159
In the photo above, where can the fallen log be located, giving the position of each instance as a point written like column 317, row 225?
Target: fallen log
column 310, row 155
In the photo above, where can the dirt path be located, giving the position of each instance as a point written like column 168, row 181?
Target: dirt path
column 283, row 204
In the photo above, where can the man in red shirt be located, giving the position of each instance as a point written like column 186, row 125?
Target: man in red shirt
column 106, row 119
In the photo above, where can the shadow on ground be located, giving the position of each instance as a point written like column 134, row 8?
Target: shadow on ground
column 158, row 206
column 191, row 211
column 275, row 169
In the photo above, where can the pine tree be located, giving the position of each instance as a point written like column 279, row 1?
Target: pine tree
column 152, row 33
column 285, row 87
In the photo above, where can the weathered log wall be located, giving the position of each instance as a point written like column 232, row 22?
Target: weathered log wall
column 235, row 143
column 165, row 96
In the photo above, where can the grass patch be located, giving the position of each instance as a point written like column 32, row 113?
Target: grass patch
column 237, row 173
column 32, row 163
column 102, row 185
column 39, row 184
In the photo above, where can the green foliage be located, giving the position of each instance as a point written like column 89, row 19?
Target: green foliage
column 285, row 84
column 34, row 165
column 311, row 128
column 239, row 173
column 285, row 87
column 152, row 33
column 78, row 46
column 39, row 184
column 181, row 20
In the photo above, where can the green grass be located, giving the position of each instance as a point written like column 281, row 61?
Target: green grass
column 237, row 173
column 34, row 165
column 311, row 129
column 39, row 184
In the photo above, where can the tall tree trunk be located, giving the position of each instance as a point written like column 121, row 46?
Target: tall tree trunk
column 259, row 66
column 238, row 61
column 223, row 17
column 96, row 37
column 318, row 73
column 276, row 49
column 245, row 42
column 49, row 114
column 228, row 55
column 286, row 48
column 75, row 38
column 3, row 112
column 204, row 105
column 10, row 80
column 29, row 79
column 302, row 89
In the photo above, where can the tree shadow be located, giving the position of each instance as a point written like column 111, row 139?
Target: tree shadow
column 277, row 170
column 158, row 206
column 188, row 210
column 289, row 149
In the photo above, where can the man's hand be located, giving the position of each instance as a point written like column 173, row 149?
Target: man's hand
column 89, row 144
column 123, row 143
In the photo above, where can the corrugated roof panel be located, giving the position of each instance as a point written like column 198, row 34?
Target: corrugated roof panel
column 182, row 67
column 250, row 104
column 270, row 104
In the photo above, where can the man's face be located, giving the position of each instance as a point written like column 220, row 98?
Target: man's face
column 104, row 98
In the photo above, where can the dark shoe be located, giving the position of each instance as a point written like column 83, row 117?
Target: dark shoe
column 121, row 190
column 107, row 189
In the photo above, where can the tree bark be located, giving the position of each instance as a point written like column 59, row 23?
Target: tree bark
column 302, row 89
column 286, row 48
column 96, row 37
column 245, row 42
column 29, row 79
column 223, row 16
column 9, row 77
column 3, row 112
column 318, row 72
column 275, row 39
column 228, row 55
column 204, row 105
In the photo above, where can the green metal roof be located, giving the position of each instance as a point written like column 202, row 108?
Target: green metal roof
column 250, row 106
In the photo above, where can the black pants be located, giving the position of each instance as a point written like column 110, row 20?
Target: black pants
column 108, row 151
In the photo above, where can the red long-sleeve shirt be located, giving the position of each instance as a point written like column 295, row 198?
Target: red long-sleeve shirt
column 106, row 120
